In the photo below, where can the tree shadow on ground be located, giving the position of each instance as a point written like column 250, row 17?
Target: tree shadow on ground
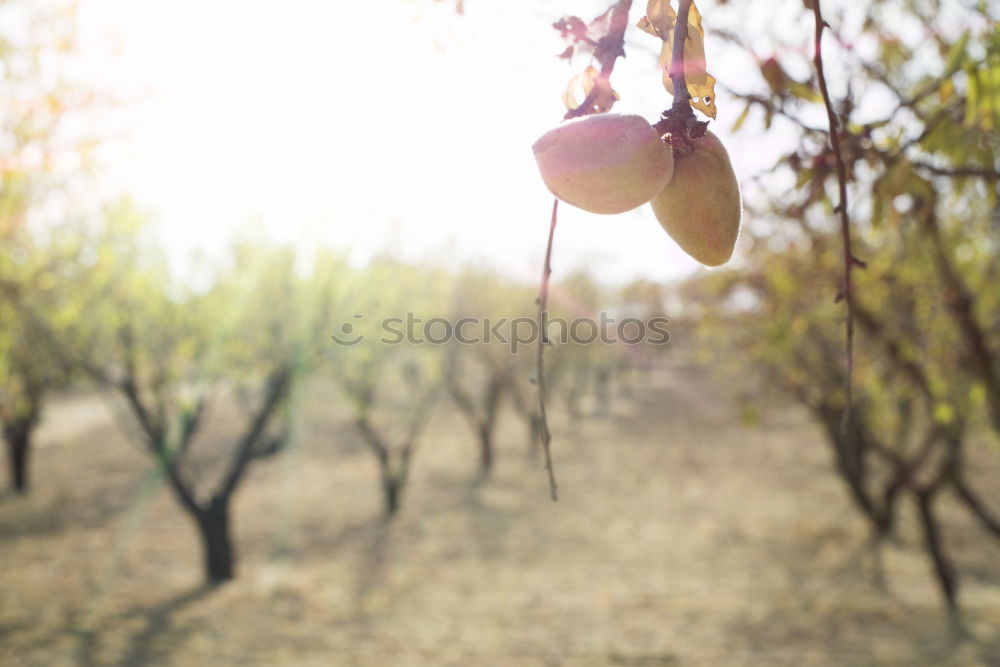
column 61, row 512
column 50, row 511
column 138, row 651
column 373, row 564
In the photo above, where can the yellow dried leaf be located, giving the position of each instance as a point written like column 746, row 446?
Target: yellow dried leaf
column 694, row 59
column 946, row 91
column 659, row 21
column 701, row 85
column 702, row 94
column 603, row 99
column 704, row 97
column 569, row 95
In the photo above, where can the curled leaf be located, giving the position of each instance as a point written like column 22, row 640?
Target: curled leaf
column 603, row 38
column 702, row 94
column 775, row 76
column 597, row 92
column 659, row 21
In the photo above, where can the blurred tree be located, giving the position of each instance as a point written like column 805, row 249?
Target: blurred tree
column 40, row 312
column 494, row 359
column 42, row 110
column 377, row 430
column 385, row 364
column 582, row 360
column 925, row 168
column 170, row 351
column 480, row 405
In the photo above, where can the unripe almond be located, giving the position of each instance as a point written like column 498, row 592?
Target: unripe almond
column 606, row 163
column 701, row 207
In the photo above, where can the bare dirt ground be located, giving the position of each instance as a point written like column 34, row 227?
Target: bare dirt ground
column 682, row 538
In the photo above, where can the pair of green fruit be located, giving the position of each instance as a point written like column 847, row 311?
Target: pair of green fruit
column 612, row 163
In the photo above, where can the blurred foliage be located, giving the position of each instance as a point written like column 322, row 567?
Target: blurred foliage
column 43, row 148
column 925, row 220
column 98, row 299
column 378, row 316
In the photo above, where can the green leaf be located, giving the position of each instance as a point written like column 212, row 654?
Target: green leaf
column 742, row 118
column 972, row 95
column 803, row 91
column 956, row 54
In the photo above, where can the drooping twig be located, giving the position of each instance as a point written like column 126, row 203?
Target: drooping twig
column 845, row 220
column 680, row 122
column 607, row 49
column 543, row 302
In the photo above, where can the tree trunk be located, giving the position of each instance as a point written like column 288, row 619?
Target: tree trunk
column 485, row 450
column 943, row 568
column 847, row 449
column 602, row 392
column 626, row 382
column 18, row 439
column 217, row 543
column 391, row 492
column 573, row 403
column 932, row 539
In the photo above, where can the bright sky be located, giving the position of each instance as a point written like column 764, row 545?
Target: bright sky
column 396, row 125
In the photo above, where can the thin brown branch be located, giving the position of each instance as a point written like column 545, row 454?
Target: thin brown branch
column 975, row 504
column 278, row 386
column 153, row 431
column 609, row 48
column 845, row 221
column 190, row 422
column 962, row 171
column 421, row 416
column 274, row 444
column 466, row 404
column 374, row 441
column 182, row 489
column 773, row 108
column 894, row 350
column 543, row 302
column 943, row 568
column 902, row 478
column 394, row 478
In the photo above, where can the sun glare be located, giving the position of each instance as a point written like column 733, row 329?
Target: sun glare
column 398, row 126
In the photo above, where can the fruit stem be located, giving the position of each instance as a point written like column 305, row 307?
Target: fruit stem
column 679, row 121
column 543, row 340
column 682, row 98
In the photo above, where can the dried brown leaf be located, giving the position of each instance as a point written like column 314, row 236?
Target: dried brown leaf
column 659, row 21
column 590, row 81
